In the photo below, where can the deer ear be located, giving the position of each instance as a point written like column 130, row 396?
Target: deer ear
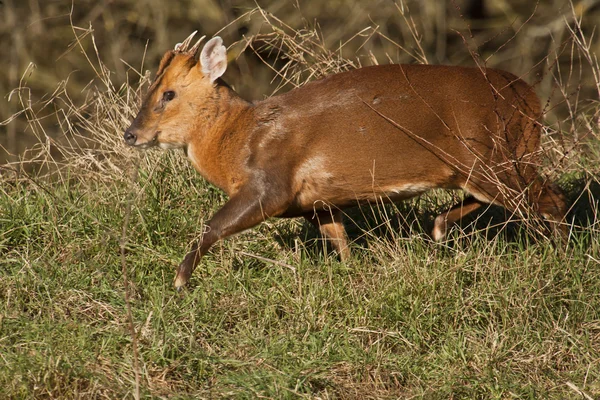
column 214, row 58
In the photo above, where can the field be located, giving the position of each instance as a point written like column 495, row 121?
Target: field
column 91, row 232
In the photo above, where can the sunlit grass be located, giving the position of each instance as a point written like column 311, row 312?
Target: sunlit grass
column 495, row 312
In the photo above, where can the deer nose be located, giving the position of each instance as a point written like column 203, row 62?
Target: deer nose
column 130, row 137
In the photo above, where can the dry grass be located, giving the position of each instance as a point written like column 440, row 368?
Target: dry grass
column 508, row 34
column 490, row 314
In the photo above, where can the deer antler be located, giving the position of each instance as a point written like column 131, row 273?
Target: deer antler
column 195, row 47
column 183, row 46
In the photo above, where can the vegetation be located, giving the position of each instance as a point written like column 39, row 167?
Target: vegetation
column 91, row 231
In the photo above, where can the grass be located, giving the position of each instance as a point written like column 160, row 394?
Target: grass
column 492, row 313
column 405, row 317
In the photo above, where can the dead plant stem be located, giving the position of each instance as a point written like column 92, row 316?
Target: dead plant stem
column 123, row 243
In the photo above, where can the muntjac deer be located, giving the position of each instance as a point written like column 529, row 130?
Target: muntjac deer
column 376, row 133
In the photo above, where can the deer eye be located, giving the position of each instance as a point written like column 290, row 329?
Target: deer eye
column 168, row 95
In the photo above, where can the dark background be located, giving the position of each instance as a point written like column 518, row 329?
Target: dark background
column 527, row 38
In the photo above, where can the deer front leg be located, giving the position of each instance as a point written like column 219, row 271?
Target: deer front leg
column 243, row 211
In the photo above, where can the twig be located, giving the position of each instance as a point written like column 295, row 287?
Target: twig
column 129, row 201
column 579, row 391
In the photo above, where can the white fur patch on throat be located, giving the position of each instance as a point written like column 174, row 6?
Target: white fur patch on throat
column 168, row 146
column 191, row 156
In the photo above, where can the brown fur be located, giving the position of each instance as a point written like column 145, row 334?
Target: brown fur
column 387, row 132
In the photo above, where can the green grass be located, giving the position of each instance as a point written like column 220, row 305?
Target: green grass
column 496, row 312
column 476, row 318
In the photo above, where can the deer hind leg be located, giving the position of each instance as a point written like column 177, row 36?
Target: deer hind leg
column 538, row 197
column 544, row 199
column 552, row 205
column 330, row 224
column 452, row 216
column 480, row 194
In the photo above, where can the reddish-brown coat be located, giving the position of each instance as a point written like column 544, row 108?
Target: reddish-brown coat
column 377, row 133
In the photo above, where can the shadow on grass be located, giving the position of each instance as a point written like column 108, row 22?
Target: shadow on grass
column 408, row 219
column 584, row 202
